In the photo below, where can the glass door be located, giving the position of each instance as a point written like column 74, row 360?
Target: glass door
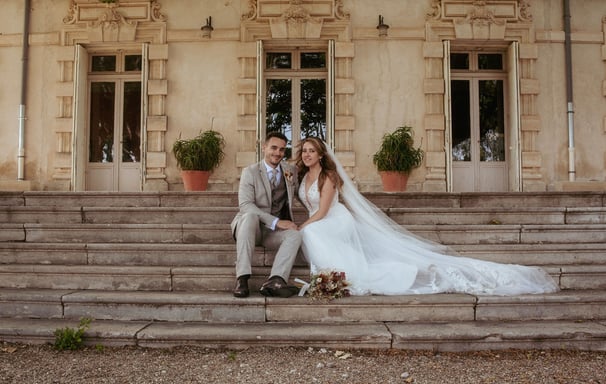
column 478, row 134
column 114, row 134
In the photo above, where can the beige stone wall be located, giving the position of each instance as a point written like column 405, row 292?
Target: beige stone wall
column 202, row 94
column 383, row 83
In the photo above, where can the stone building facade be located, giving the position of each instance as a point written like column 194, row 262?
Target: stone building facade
column 503, row 95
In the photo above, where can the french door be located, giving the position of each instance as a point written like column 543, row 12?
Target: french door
column 478, row 135
column 479, row 132
column 114, row 139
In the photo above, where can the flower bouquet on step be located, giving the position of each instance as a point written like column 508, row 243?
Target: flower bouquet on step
column 326, row 285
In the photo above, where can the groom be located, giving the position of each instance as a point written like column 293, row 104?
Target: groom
column 265, row 218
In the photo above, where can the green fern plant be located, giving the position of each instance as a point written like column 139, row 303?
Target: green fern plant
column 202, row 153
column 397, row 152
column 71, row 338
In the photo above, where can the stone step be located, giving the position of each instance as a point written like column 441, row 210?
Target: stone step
column 180, row 255
column 122, row 233
column 497, row 216
column 579, row 305
column 224, row 215
column 166, row 278
column 511, row 200
column 125, row 278
column 447, row 337
column 120, row 199
column 536, row 253
column 230, row 199
column 512, row 234
column 221, row 233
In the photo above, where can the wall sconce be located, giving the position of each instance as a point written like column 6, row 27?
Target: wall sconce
column 208, row 28
column 382, row 27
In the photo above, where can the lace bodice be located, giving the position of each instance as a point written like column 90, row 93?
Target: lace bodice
column 311, row 201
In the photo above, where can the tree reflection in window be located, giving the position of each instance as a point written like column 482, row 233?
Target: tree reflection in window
column 101, row 141
column 492, row 120
column 313, row 108
column 461, row 120
column 131, row 128
column 279, row 109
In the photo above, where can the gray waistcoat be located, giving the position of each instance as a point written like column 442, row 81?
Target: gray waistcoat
column 279, row 201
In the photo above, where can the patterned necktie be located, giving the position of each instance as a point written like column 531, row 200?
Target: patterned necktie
column 273, row 178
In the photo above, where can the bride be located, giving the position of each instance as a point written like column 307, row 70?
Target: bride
column 377, row 255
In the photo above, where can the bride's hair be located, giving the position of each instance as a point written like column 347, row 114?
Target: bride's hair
column 329, row 168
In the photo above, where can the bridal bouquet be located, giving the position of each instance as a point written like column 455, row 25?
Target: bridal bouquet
column 328, row 285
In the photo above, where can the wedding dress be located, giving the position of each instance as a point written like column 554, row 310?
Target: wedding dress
column 378, row 256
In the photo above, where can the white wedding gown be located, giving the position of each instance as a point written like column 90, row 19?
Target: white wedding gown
column 380, row 257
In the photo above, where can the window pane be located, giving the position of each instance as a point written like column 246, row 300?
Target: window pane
column 279, row 109
column 461, row 122
column 101, row 144
column 313, row 60
column 278, row 60
column 313, row 108
column 459, row 61
column 132, row 63
column 131, row 128
column 492, row 120
column 490, row 61
column 104, row 64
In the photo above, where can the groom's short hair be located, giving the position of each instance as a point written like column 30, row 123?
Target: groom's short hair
column 276, row 134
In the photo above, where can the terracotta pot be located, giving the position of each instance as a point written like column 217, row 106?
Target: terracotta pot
column 394, row 181
column 195, row 180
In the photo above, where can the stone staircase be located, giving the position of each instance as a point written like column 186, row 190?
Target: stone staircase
column 156, row 270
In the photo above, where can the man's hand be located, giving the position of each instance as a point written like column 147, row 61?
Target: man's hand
column 286, row 224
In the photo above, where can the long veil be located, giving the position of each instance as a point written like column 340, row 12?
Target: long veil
column 434, row 267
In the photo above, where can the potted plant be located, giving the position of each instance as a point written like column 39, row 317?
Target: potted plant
column 396, row 158
column 198, row 157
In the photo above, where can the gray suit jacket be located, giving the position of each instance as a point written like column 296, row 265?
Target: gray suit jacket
column 254, row 194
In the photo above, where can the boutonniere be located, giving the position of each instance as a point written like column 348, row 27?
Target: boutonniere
column 288, row 175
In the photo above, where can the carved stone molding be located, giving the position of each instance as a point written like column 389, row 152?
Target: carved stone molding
column 293, row 19
column 482, row 12
column 109, row 22
column 297, row 9
column 125, row 12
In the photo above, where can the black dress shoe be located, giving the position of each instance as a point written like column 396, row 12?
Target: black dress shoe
column 275, row 286
column 241, row 289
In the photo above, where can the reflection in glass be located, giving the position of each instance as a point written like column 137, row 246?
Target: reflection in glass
column 279, row 109
column 461, row 121
column 313, row 108
column 490, row 61
column 313, row 60
column 101, row 142
column 492, row 120
column 133, row 62
column 131, row 128
column 104, row 63
column 278, row 60
column 459, row 61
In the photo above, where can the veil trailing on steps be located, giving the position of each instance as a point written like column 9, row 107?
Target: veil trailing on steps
column 379, row 256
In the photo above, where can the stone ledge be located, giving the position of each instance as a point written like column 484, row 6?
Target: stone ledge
column 16, row 185
column 579, row 186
